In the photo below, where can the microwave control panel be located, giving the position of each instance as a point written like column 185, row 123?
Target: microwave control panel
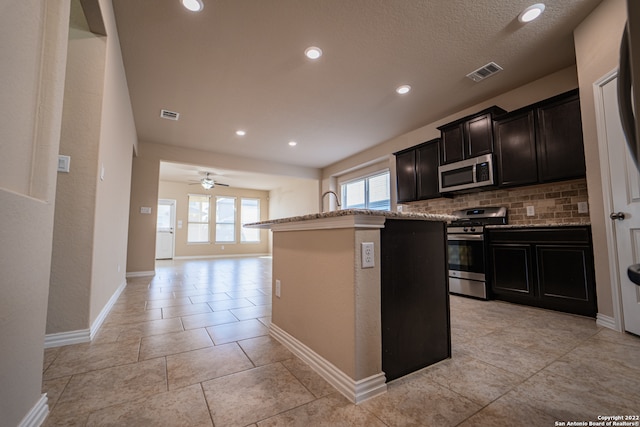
column 482, row 172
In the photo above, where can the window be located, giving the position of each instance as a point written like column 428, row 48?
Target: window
column 372, row 192
column 198, row 222
column 249, row 212
column 225, row 219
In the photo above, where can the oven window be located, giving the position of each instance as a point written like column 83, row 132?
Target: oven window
column 466, row 255
column 456, row 177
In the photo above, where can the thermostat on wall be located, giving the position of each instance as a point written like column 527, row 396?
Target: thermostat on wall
column 145, row 210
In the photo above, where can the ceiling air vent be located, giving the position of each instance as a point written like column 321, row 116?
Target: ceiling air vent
column 485, row 71
column 170, row 115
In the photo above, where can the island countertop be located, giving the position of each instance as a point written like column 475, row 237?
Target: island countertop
column 362, row 213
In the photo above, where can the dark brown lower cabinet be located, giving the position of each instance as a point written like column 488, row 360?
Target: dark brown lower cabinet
column 548, row 267
column 414, row 296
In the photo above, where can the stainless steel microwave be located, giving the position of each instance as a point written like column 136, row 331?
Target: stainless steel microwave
column 466, row 174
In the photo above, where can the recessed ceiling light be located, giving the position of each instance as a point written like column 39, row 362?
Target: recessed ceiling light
column 531, row 13
column 193, row 5
column 403, row 89
column 241, row 133
column 292, row 143
column 313, row 52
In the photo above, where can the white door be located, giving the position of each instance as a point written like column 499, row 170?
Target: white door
column 624, row 187
column 165, row 229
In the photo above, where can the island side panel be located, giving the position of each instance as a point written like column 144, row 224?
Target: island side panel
column 317, row 301
column 415, row 297
column 368, row 332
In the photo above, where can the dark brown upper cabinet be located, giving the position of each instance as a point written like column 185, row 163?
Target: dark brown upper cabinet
column 417, row 172
column 427, row 161
column 406, row 175
column 468, row 137
column 540, row 143
column 559, row 138
column 516, row 160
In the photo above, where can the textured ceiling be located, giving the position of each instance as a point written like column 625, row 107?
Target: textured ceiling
column 239, row 64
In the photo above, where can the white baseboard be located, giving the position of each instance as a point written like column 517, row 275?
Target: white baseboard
column 607, row 322
column 37, row 414
column 140, row 273
column 95, row 327
column 67, row 338
column 221, row 256
column 355, row 391
column 83, row 335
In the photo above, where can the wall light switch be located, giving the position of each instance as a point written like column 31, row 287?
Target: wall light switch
column 179, row 223
column 531, row 211
column 145, row 210
column 102, row 174
column 63, row 163
column 278, row 288
column 367, row 255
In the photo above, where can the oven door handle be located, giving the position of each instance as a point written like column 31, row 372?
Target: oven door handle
column 465, row 237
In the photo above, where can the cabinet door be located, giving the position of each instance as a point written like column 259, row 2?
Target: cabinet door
column 560, row 145
column 406, row 176
column 516, row 150
column 479, row 136
column 427, row 158
column 565, row 278
column 512, row 270
column 452, row 144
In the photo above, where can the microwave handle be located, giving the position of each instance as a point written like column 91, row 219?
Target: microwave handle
column 473, row 171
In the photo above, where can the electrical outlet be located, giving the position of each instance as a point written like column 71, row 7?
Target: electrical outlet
column 583, row 207
column 531, row 211
column 367, row 255
column 278, row 288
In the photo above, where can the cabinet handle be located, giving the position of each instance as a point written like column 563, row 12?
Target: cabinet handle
column 617, row 215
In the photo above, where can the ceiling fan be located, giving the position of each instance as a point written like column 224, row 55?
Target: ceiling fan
column 207, row 182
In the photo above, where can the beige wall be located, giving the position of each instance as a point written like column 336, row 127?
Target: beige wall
column 597, row 42
column 332, row 305
column 299, row 197
column 117, row 140
column 144, row 191
column 33, row 44
column 71, row 267
column 91, row 219
column 180, row 193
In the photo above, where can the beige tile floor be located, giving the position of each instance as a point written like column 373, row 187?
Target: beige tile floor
column 191, row 347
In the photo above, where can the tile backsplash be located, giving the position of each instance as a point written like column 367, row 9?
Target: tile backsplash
column 553, row 203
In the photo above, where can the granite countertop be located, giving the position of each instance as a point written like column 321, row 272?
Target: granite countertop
column 565, row 224
column 347, row 212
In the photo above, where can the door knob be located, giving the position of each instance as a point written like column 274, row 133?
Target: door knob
column 617, row 215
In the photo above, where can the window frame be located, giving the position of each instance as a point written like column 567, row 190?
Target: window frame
column 235, row 220
column 365, row 178
column 208, row 223
column 242, row 223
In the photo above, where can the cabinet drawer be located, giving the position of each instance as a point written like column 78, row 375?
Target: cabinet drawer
column 555, row 235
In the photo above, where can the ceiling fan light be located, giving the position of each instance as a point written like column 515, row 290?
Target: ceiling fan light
column 207, row 183
column 193, row 5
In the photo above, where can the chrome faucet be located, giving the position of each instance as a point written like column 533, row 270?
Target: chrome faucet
column 330, row 192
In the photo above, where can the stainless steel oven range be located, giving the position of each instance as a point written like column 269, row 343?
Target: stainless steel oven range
column 467, row 249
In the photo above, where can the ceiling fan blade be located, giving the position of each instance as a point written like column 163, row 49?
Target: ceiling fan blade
column 221, row 185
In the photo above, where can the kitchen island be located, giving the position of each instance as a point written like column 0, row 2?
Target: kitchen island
column 360, row 326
